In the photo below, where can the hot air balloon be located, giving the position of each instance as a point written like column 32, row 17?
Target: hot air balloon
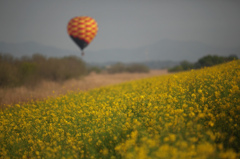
column 82, row 30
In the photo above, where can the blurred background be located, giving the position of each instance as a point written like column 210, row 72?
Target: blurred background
column 129, row 30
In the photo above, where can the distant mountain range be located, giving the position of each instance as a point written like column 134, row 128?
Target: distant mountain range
column 165, row 51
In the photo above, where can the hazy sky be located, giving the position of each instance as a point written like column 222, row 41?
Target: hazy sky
column 122, row 23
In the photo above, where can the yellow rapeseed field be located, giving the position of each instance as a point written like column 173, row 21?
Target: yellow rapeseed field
column 193, row 114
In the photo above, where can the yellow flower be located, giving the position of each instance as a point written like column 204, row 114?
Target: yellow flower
column 105, row 151
column 199, row 91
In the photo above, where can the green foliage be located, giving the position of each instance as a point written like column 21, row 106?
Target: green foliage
column 28, row 73
column 177, row 68
column 8, row 74
column 209, row 60
column 186, row 65
column 31, row 70
column 27, row 68
column 57, row 69
column 132, row 68
column 205, row 61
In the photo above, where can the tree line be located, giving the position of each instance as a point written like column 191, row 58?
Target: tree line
column 130, row 68
column 206, row 61
column 31, row 70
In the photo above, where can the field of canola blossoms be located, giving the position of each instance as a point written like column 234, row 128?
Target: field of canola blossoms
column 193, row 114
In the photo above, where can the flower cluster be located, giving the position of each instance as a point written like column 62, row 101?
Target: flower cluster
column 193, row 114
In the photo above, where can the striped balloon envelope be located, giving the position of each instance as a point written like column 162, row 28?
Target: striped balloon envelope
column 82, row 30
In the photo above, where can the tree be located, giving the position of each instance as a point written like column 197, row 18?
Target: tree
column 210, row 60
column 186, row 65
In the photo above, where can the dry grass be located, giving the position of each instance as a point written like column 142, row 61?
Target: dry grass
column 52, row 89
